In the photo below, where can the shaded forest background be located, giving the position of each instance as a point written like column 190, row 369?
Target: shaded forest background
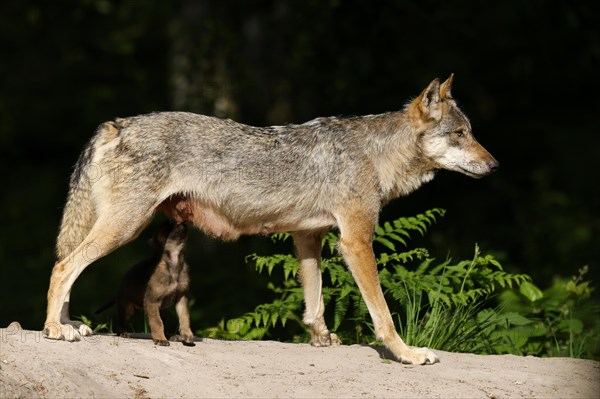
column 526, row 74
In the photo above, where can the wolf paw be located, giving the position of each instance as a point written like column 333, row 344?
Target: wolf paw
column 320, row 335
column 161, row 342
column 184, row 339
column 420, row 356
column 72, row 331
column 83, row 329
column 325, row 338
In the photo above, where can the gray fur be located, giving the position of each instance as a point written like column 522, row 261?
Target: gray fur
column 229, row 179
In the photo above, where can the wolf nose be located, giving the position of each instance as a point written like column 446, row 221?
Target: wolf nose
column 493, row 165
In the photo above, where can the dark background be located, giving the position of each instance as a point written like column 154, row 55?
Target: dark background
column 525, row 72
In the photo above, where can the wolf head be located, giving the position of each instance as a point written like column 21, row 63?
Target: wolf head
column 169, row 244
column 170, row 236
column 445, row 136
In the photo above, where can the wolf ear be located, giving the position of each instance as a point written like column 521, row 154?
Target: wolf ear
column 431, row 94
column 446, row 87
column 427, row 105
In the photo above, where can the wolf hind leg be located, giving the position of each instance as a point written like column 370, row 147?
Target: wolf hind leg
column 116, row 227
column 308, row 248
column 65, row 318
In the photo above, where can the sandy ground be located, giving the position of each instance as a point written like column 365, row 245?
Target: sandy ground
column 108, row 366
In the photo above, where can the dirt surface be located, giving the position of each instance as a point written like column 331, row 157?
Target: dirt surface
column 108, row 366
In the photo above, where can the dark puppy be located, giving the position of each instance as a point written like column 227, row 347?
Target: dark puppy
column 157, row 283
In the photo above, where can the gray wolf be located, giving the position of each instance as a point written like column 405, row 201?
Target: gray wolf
column 158, row 283
column 230, row 179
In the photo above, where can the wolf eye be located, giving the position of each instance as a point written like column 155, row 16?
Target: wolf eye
column 459, row 132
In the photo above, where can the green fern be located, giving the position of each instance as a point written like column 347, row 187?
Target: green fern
column 289, row 263
column 437, row 304
column 257, row 323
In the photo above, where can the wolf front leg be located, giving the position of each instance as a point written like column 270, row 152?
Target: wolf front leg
column 308, row 248
column 356, row 244
column 185, row 332
column 157, row 328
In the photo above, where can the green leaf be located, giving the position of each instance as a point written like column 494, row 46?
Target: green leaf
column 384, row 258
column 515, row 319
column 346, row 289
column 396, row 237
column 385, row 242
column 85, row 320
column 572, row 326
column 388, row 227
column 495, row 263
column 257, row 317
column 331, row 239
column 530, row 291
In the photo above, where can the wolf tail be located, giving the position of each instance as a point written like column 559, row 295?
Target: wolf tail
column 79, row 214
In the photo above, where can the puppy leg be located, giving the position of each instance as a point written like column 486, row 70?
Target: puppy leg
column 125, row 310
column 185, row 332
column 157, row 327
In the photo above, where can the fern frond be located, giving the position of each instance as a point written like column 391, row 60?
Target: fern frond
column 438, row 304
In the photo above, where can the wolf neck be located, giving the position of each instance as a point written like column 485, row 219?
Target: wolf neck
column 397, row 157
